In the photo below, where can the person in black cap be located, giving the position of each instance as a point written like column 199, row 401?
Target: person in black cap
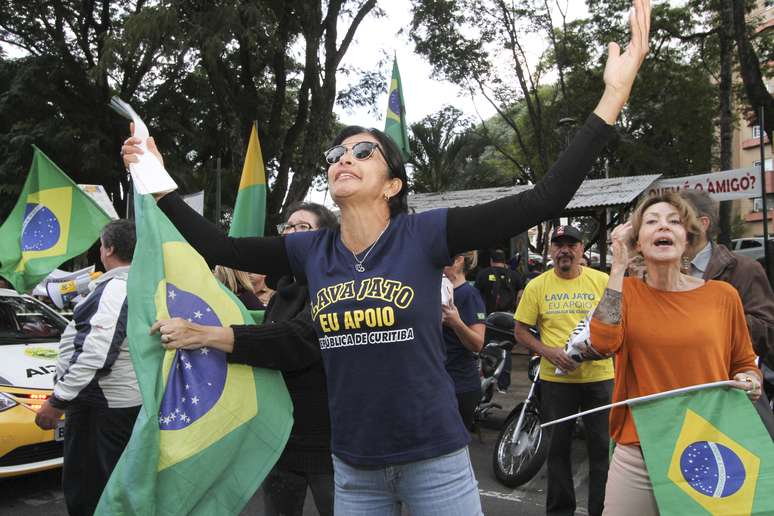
column 500, row 287
column 555, row 302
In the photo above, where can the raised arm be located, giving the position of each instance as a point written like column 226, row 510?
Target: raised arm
column 476, row 227
column 607, row 322
column 261, row 255
column 264, row 255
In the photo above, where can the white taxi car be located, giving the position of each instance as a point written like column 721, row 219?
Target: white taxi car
column 29, row 341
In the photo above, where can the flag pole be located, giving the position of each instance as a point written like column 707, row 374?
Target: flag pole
column 641, row 399
column 762, row 143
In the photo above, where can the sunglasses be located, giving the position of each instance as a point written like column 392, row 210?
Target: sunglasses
column 360, row 151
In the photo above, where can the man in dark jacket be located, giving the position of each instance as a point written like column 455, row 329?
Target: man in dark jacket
column 716, row 262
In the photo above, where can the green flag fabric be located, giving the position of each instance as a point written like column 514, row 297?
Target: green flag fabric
column 707, row 452
column 208, row 431
column 250, row 207
column 53, row 220
column 395, row 126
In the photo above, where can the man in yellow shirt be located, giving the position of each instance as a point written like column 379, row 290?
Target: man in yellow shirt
column 554, row 303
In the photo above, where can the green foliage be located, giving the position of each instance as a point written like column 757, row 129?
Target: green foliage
column 446, row 153
column 667, row 127
column 200, row 73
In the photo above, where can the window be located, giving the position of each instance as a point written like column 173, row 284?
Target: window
column 749, row 244
column 756, row 131
column 23, row 321
column 767, row 164
column 758, row 203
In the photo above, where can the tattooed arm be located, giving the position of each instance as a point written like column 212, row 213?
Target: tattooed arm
column 608, row 310
column 607, row 324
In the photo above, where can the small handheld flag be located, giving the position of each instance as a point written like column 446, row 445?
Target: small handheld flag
column 707, row 452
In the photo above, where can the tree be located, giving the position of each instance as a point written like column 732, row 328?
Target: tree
column 253, row 77
column 78, row 55
column 199, row 73
column 750, row 68
column 445, row 152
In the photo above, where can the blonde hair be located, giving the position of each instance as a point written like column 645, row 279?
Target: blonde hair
column 234, row 280
column 685, row 210
column 471, row 260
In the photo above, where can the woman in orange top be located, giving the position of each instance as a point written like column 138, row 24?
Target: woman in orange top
column 668, row 330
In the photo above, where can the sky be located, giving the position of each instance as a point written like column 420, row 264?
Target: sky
column 423, row 95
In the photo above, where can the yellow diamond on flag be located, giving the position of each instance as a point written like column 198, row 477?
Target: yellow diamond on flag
column 713, row 469
column 46, row 226
column 204, row 397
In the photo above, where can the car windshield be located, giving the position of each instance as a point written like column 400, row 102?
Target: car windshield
column 24, row 321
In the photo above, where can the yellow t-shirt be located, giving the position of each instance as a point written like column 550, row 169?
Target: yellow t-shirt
column 555, row 306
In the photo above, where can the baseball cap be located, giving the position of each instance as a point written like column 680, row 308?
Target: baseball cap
column 497, row 255
column 566, row 232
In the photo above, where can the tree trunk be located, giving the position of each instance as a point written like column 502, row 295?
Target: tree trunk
column 750, row 67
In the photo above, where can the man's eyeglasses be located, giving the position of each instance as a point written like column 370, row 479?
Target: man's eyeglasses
column 360, row 151
column 285, row 227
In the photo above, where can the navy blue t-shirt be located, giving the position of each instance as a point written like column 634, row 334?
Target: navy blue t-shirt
column 461, row 363
column 391, row 400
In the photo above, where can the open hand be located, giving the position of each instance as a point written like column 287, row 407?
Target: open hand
column 621, row 67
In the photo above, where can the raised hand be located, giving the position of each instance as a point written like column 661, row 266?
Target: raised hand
column 620, row 246
column 622, row 67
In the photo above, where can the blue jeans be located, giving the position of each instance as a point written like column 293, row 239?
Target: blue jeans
column 441, row 486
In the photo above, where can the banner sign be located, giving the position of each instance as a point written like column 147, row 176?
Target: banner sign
column 740, row 183
column 100, row 196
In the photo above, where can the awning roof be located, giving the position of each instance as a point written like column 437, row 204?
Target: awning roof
column 593, row 193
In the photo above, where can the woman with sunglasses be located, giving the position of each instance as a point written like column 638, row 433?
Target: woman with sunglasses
column 397, row 436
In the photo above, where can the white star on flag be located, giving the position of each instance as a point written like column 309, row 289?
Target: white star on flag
column 188, row 365
column 195, row 400
column 204, row 351
column 197, row 314
column 172, row 294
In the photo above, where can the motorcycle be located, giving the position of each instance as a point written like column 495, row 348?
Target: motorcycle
column 499, row 340
column 522, row 446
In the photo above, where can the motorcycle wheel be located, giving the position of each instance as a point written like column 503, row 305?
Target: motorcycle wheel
column 516, row 464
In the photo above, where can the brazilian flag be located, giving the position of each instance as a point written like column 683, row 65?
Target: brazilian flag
column 707, row 452
column 52, row 221
column 208, row 431
column 395, row 126
column 250, row 207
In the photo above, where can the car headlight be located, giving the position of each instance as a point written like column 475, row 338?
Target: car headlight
column 6, row 402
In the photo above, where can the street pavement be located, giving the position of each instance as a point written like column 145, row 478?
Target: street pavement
column 40, row 494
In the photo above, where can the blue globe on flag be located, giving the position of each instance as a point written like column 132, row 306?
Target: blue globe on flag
column 712, row 469
column 40, row 230
column 394, row 102
column 197, row 377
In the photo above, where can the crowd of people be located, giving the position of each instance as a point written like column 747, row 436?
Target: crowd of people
column 383, row 374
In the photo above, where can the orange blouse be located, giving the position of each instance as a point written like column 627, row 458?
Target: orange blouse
column 668, row 340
